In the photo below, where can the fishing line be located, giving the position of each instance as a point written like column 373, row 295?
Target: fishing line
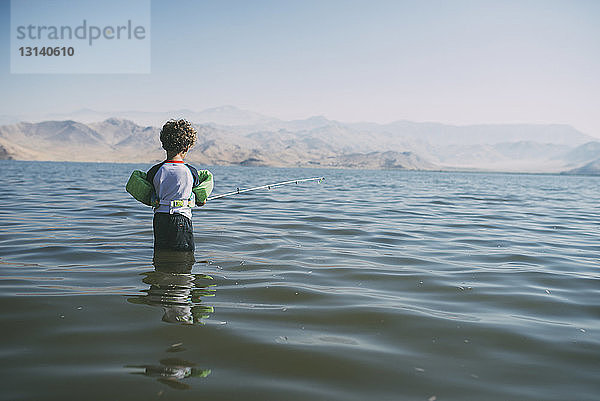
column 268, row 186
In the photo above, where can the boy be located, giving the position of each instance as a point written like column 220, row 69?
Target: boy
column 176, row 184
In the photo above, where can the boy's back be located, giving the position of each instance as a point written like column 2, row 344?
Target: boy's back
column 173, row 180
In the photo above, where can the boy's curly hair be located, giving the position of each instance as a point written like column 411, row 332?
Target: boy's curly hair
column 177, row 136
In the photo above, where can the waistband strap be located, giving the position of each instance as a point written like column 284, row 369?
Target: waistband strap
column 175, row 203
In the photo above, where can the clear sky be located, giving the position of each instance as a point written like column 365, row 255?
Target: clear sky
column 458, row 62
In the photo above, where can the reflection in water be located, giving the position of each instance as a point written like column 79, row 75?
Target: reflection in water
column 179, row 292
column 176, row 289
column 172, row 371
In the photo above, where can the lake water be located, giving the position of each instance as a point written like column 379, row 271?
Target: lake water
column 373, row 285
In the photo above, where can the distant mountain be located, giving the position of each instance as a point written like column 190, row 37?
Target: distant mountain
column 74, row 141
column 230, row 115
column 443, row 134
column 505, row 156
column 584, row 159
column 583, row 153
column 5, row 154
column 228, row 135
column 223, row 115
column 379, row 160
column 591, row 168
column 122, row 140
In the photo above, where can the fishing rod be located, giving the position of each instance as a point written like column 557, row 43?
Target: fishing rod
column 268, row 186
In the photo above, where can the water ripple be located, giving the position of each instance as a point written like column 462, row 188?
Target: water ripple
column 378, row 285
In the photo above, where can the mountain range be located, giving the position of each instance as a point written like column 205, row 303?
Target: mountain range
column 231, row 136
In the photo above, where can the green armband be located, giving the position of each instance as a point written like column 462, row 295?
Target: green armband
column 140, row 188
column 205, row 188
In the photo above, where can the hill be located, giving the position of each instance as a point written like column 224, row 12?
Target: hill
column 252, row 139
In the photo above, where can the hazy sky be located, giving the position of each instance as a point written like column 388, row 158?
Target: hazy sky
column 458, row 62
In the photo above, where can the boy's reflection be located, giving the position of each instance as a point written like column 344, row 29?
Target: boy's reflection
column 171, row 372
column 176, row 289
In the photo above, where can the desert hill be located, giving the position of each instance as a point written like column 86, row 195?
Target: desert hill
column 230, row 136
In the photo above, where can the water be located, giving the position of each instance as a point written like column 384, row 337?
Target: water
column 380, row 285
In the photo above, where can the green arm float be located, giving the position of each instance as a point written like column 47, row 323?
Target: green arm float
column 205, row 188
column 140, row 188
